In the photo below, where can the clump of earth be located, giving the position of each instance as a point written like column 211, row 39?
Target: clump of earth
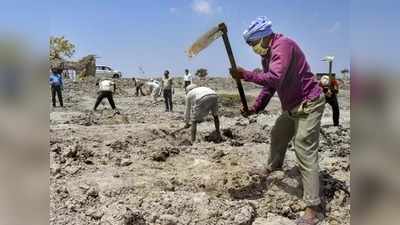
column 138, row 167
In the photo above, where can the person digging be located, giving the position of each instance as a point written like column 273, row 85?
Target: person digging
column 138, row 86
column 286, row 71
column 106, row 89
column 330, row 88
column 200, row 101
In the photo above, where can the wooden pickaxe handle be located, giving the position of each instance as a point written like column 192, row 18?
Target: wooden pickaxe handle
column 224, row 30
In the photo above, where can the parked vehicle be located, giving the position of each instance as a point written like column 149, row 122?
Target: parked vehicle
column 107, row 71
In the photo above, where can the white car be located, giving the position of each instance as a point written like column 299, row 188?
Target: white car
column 106, row 71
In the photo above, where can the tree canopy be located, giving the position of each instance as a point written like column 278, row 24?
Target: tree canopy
column 60, row 48
column 202, row 73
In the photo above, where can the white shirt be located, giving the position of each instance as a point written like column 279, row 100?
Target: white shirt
column 194, row 95
column 187, row 77
column 106, row 85
column 72, row 74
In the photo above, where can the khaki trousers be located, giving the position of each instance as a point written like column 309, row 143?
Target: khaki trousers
column 303, row 125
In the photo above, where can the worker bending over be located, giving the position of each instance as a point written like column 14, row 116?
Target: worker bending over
column 106, row 89
column 138, row 85
column 200, row 101
column 330, row 88
column 155, row 88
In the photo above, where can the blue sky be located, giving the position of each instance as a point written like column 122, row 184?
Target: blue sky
column 128, row 34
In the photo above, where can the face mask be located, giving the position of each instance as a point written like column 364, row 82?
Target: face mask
column 258, row 49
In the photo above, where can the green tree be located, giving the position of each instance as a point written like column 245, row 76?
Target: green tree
column 202, row 73
column 60, row 48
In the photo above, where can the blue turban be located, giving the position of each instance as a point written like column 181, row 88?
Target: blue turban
column 259, row 28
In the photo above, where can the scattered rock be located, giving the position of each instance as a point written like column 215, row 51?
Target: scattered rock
column 56, row 169
column 253, row 119
column 88, row 162
column 94, row 213
column 84, row 187
column 56, row 149
column 228, row 133
column 85, row 153
column 168, row 220
column 172, row 150
column 160, row 156
column 260, row 221
column 218, row 154
column 133, row 217
column 62, row 192
column 242, row 122
column 116, row 175
column 243, row 186
column 236, row 143
column 71, row 205
column 213, row 137
column 273, row 220
column 72, row 151
column 92, row 192
column 126, row 162
column 245, row 216
column 119, row 145
column 72, row 169
column 185, row 142
column 263, row 120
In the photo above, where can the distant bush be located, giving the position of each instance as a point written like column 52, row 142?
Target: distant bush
column 202, row 73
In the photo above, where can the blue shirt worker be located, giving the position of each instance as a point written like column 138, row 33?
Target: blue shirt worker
column 56, row 84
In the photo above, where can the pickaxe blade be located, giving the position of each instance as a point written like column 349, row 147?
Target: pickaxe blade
column 204, row 41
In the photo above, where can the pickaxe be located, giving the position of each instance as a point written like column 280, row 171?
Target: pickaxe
column 206, row 39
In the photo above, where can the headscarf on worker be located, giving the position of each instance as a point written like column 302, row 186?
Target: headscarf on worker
column 259, row 28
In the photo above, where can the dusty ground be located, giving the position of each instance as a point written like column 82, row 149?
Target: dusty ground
column 131, row 169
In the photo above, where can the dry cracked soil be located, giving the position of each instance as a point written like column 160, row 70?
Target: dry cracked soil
column 138, row 168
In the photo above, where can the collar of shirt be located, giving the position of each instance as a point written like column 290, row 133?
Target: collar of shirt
column 266, row 58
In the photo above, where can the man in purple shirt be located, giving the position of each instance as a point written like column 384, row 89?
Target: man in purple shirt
column 286, row 71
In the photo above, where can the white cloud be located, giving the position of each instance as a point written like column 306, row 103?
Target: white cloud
column 335, row 27
column 173, row 10
column 202, row 7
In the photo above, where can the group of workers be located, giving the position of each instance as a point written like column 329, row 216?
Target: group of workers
column 165, row 87
column 302, row 96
